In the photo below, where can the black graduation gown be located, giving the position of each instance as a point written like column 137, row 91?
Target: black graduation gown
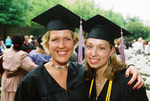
column 120, row 90
column 39, row 85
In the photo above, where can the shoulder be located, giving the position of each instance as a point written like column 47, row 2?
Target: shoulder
column 121, row 82
column 125, row 92
column 8, row 50
column 37, row 71
column 146, row 46
column 30, row 83
column 33, row 52
column 33, row 75
column 76, row 66
column 120, row 77
column 22, row 54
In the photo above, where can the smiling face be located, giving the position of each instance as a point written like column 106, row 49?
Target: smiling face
column 97, row 52
column 61, row 46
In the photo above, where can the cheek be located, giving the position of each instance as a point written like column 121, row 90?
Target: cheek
column 52, row 47
column 71, row 48
column 70, row 45
column 104, row 54
column 87, row 53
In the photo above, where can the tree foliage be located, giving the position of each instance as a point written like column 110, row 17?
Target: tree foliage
column 117, row 18
column 39, row 6
column 20, row 13
column 133, row 19
column 137, row 30
column 84, row 8
column 13, row 12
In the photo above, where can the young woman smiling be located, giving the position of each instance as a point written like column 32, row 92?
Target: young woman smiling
column 106, row 74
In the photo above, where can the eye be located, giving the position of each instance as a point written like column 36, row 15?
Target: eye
column 54, row 39
column 101, row 48
column 67, row 39
column 89, row 46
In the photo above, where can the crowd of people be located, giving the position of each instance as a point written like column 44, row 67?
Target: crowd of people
column 28, row 45
column 140, row 46
column 38, row 69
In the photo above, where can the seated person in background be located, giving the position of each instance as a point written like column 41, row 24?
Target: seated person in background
column 39, row 55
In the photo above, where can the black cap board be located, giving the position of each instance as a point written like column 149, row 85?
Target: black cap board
column 101, row 28
column 58, row 18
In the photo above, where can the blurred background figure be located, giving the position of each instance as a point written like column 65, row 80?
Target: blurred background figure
column 147, row 49
column 117, row 47
column 30, row 38
column 144, row 44
column 27, row 47
column 1, row 52
column 133, row 45
column 39, row 55
column 8, row 42
column 127, row 44
column 14, row 60
column 34, row 42
column 2, row 46
column 138, row 46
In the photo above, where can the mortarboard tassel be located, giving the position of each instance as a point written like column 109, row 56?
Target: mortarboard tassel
column 80, row 44
column 122, row 48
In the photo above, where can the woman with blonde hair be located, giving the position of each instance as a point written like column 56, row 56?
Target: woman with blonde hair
column 58, row 79
column 106, row 74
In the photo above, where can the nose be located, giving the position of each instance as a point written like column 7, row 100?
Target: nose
column 94, row 52
column 61, row 44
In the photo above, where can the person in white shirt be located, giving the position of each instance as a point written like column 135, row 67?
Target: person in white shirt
column 147, row 49
column 139, row 46
column 133, row 45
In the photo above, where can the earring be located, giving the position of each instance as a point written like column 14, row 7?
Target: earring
column 109, row 60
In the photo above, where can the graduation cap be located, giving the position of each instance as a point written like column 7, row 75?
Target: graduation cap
column 58, row 18
column 101, row 28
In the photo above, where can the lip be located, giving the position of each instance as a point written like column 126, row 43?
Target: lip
column 62, row 53
column 94, row 61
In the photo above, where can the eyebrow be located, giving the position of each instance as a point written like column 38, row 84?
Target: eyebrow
column 98, row 44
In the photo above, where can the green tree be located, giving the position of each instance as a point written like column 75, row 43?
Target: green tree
column 133, row 19
column 12, row 13
column 147, row 33
column 117, row 18
column 84, row 8
column 137, row 30
column 38, row 7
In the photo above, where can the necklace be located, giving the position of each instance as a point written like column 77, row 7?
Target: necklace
column 57, row 67
column 99, row 83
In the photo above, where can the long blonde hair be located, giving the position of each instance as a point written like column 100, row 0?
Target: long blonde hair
column 114, row 66
column 46, row 38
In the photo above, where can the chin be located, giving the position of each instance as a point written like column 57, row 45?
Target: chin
column 94, row 66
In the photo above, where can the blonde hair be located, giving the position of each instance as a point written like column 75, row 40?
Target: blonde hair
column 114, row 66
column 46, row 38
column 8, row 37
column 26, row 37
